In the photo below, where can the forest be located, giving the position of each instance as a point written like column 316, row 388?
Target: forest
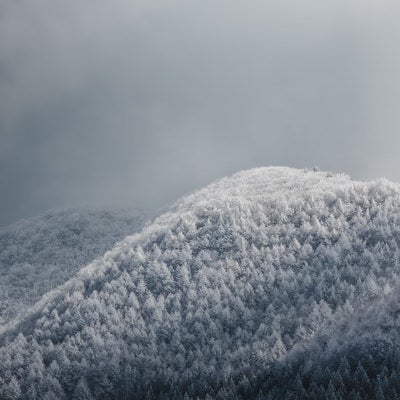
column 40, row 253
column 274, row 283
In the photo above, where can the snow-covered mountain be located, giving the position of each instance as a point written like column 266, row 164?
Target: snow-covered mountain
column 39, row 254
column 243, row 289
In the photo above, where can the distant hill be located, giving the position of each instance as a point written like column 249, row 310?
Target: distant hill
column 274, row 283
column 39, row 254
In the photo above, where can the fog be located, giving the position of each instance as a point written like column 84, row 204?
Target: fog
column 137, row 103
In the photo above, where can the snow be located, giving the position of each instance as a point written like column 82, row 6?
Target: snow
column 230, row 281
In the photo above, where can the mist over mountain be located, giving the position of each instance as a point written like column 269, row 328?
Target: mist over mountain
column 356, row 358
column 272, row 283
column 38, row 254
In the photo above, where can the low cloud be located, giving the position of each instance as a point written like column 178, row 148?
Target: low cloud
column 139, row 102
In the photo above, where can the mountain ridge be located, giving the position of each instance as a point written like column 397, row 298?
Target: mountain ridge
column 39, row 253
column 202, row 301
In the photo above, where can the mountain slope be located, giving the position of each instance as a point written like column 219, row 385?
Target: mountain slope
column 39, row 254
column 214, row 293
column 357, row 358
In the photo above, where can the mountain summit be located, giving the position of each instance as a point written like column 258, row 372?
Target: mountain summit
column 213, row 297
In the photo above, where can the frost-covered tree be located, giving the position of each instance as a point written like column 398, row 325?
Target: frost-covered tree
column 40, row 253
column 274, row 283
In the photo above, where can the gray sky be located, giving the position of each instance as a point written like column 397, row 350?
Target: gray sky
column 138, row 102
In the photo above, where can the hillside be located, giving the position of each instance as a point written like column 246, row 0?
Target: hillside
column 38, row 254
column 239, row 290
column 357, row 358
